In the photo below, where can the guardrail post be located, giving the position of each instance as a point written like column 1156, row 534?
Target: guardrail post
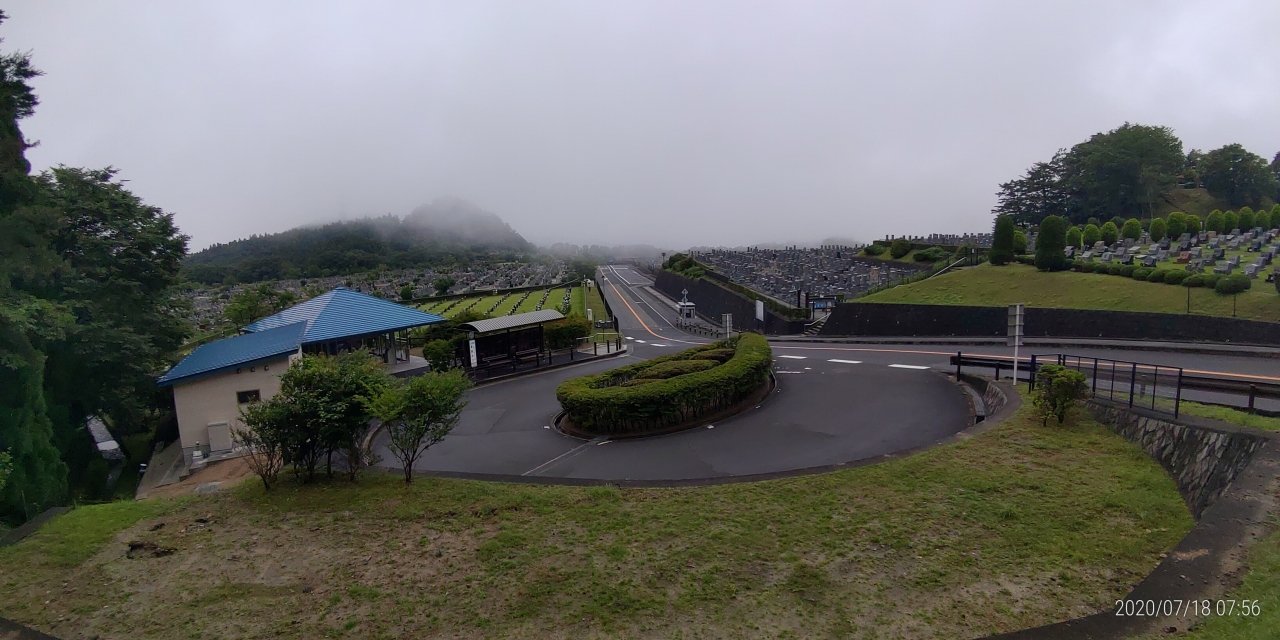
column 1253, row 393
column 1095, row 376
column 1177, row 396
column 997, row 371
column 595, row 348
column 959, row 361
column 1031, row 376
column 1133, row 382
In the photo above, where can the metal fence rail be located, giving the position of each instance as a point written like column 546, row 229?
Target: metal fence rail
column 1156, row 387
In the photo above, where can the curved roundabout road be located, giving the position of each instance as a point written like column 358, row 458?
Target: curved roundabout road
column 834, row 404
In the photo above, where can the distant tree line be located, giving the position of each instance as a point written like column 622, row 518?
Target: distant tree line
column 88, row 315
column 1128, row 171
column 341, row 248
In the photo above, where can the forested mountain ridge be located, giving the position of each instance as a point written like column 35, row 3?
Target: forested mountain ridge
column 446, row 231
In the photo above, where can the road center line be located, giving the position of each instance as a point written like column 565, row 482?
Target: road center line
column 907, row 366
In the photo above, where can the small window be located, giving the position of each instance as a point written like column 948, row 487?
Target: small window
column 245, row 397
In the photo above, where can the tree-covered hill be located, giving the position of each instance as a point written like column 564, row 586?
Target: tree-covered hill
column 446, row 231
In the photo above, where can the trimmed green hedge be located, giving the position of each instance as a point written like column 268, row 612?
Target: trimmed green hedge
column 719, row 355
column 609, row 404
column 676, row 368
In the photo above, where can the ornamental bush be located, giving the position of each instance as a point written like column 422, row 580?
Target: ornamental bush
column 1157, row 275
column 1232, row 284
column 1140, row 273
column 1211, row 280
column 1110, row 232
column 1074, row 237
column 1051, row 245
column 719, row 355
column 1091, row 235
column 1230, row 221
column 1215, row 221
column 1087, row 267
column 932, row 254
column 563, row 334
column 1116, row 269
column 1245, row 221
column 1127, row 270
column 1133, row 229
column 1159, row 229
column 874, row 249
column 899, row 248
column 602, row 404
column 1002, row 241
column 676, row 368
column 1193, row 280
column 1057, row 391
column 1177, row 224
column 1175, row 276
column 1262, row 219
column 1193, row 224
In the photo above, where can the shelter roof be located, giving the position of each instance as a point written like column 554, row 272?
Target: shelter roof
column 236, row 351
column 343, row 313
column 516, row 321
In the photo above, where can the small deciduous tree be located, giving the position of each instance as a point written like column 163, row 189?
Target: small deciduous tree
column 1262, row 219
column 1230, row 221
column 1275, row 216
column 1074, row 237
column 1246, row 218
column 1051, row 244
column 439, row 353
column 1177, row 224
column 1133, row 229
column 1002, row 241
column 1091, row 235
column 406, row 292
column 1110, row 232
column 1019, row 242
column 418, row 413
column 1057, row 391
column 1159, row 229
column 265, row 437
column 1215, row 221
column 442, row 284
column 1193, row 224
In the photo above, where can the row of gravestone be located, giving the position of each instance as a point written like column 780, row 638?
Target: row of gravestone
column 827, row 271
column 1196, row 252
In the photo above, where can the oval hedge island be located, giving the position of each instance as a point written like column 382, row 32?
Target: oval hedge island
column 669, row 393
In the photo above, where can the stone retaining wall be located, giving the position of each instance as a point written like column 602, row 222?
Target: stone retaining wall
column 1202, row 460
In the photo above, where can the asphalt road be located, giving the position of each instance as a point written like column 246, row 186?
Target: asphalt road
column 834, row 404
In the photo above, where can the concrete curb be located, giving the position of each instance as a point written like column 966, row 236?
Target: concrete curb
column 1202, row 348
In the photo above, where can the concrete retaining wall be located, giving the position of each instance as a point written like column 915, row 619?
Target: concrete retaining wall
column 1202, row 460
column 891, row 319
column 713, row 300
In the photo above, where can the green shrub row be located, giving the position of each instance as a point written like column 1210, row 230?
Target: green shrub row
column 676, row 368
column 612, row 403
column 1230, row 284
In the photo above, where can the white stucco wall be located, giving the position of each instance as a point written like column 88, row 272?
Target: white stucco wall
column 212, row 399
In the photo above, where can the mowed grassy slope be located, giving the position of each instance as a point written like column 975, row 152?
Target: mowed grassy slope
column 1020, row 526
column 1014, row 283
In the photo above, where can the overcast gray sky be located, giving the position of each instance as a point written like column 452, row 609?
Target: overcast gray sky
column 673, row 123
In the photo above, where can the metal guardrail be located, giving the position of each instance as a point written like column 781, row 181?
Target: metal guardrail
column 1133, row 383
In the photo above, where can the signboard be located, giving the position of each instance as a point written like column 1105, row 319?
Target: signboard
column 760, row 310
column 471, row 344
column 1016, row 314
column 727, row 320
column 822, row 303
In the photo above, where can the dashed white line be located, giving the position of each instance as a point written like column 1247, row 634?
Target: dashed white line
column 640, row 341
column 794, row 357
column 907, row 366
column 656, row 344
column 845, row 361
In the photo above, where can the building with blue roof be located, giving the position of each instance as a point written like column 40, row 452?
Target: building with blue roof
column 218, row 378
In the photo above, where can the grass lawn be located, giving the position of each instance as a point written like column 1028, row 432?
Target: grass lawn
column 1020, row 526
column 989, row 285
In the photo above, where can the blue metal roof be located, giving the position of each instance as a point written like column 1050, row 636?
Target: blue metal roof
column 239, row 350
column 342, row 313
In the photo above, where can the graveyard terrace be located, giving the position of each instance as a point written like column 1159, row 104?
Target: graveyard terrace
column 1223, row 254
column 208, row 304
column 827, row 271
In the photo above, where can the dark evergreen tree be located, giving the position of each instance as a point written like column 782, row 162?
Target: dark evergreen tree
column 38, row 478
column 1002, row 241
column 1238, row 176
column 1051, row 244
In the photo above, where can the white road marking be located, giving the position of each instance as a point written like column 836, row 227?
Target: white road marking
column 630, row 338
column 907, row 366
column 640, row 341
column 845, row 361
column 794, row 357
column 788, row 372
column 572, row 452
column 655, row 344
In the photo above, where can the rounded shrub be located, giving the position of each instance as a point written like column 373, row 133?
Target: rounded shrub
column 899, row 248
column 1090, row 235
column 1115, row 269
column 1140, row 273
column 1159, row 229
column 1193, row 280
column 1211, row 280
column 1086, row 267
column 1232, row 284
column 932, row 254
column 601, row 404
column 1127, row 270
column 1110, row 232
column 1175, row 276
column 1157, row 275
column 874, row 249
